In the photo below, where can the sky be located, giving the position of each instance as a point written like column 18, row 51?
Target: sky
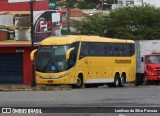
column 152, row 2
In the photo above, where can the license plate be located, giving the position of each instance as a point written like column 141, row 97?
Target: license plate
column 50, row 81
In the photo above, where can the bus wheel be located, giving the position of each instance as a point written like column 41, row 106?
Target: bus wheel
column 122, row 80
column 79, row 82
column 116, row 80
column 121, row 84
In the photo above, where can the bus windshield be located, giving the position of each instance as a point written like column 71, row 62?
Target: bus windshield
column 52, row 58
column 153, row 59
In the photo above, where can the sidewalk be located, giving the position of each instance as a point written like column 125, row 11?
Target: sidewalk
column 19, row 87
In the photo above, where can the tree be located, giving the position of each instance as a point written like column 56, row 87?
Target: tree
column 87, row 4
column 91, row 25
column 135, row 23
column 82, row 4
column 127, row 23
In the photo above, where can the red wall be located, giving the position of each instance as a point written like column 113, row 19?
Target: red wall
column 40, row 5
column 27, row 64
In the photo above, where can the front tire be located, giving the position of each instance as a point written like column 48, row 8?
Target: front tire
column 79, row 83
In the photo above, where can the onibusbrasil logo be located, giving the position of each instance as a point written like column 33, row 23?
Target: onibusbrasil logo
column 21, row 110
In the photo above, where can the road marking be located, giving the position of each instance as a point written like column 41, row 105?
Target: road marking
column 121, row 115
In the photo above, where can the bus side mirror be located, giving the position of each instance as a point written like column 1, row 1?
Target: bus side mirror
column 68, row 53
column 142, row 59
column 32, row 54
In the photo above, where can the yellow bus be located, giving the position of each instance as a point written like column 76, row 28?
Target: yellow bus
column 85, row 60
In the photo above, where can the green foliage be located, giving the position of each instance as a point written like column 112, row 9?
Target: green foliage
column 87, row 27
column 86, row 4
column 92, row 1
column 135, row 23
column 71, row 3
column 127, row 23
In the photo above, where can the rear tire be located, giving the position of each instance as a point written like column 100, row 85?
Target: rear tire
column 122, row 81
column 116, row 81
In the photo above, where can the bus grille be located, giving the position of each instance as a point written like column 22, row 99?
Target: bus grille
column 158, row 70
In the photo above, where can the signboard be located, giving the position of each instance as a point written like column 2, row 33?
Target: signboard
column 14, row 1
column 52, row 4
column 46, row 23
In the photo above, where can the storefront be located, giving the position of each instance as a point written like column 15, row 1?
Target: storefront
column 15, row 63
column 15, row 38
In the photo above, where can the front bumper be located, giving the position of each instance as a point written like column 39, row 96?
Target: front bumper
column 153, row 77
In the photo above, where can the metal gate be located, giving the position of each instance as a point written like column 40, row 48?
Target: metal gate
column 11, row 68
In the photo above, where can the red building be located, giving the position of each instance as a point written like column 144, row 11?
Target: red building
column 15, row 63
column 39, row 5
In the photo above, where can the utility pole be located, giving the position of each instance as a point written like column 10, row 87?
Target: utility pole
column 142, row 2
column 102, row 6
column 68, row 16
column 33, row 84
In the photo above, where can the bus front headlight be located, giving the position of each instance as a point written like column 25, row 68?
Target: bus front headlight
column 39, row 76
column 59, row 76
column 53, row 77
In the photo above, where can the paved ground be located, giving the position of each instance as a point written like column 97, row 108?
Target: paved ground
column 128, row 96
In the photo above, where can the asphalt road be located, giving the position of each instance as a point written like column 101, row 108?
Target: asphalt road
column 92, row 100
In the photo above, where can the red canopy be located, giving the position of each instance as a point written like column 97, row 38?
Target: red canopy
column 39, row 5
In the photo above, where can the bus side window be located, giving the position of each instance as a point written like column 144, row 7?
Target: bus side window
column 72, row 59
column 123, row 49
column 101, row 49
column 118, row 49
column 76, row 46
column 84, row 50
column 131, row 49
column 110, row 52
column 92, row 48
column 73, row 54
column 126, row 46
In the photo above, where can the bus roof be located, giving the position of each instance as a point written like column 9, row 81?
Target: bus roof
column 57, row 40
